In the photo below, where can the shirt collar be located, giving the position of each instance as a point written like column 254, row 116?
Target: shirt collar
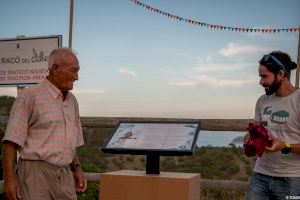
column 54, row 91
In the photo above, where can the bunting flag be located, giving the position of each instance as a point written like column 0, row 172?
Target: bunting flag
column 215, row 26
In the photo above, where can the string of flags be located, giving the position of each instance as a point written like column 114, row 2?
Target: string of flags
column 215, row 26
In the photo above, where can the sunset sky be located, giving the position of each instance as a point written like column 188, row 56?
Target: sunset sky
column 137, row 63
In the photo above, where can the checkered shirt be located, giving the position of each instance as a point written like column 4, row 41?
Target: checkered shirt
column 44, row 126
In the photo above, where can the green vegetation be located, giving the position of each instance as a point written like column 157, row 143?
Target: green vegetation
column 6, row 103
column 211, row 162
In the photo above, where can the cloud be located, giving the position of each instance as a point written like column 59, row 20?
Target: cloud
column 127, row 72
column 204, row 58
column 176, row 53
column 211, row 67
column 89, row 91
column 233, row 50
column 168, row 71
column 183, row 83
column 212, row 81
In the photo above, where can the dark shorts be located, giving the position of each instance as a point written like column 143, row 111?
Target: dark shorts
column 41, row 180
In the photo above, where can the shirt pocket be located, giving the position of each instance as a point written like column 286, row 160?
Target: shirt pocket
column 49, row 115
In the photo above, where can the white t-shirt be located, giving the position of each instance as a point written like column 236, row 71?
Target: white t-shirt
column 281, row 116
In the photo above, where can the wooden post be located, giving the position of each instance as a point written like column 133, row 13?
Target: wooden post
column 71, row 23
column 19, row 91
column 298, row 64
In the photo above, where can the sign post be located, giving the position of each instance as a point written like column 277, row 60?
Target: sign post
column 71, row 23
column 151, row 138
column 298, row 64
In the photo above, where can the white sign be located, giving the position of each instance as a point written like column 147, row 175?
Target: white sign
column 154, row 136
column 24, row 61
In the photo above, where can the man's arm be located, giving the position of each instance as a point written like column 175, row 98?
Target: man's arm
column 11, row 185
column 278, row 145
column 80, row 180
column 295, row 148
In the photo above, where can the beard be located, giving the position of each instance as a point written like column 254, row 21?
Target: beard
column 273, row 87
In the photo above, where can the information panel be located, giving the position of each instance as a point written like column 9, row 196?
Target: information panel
column 24, row 60
column 163, row 138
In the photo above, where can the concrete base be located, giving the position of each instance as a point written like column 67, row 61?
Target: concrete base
column 137, row 185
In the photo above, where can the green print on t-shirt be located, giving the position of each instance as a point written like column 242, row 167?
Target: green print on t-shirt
column 278, row 117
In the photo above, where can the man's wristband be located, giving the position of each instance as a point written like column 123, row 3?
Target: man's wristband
column 74, row 166
column 286, row 149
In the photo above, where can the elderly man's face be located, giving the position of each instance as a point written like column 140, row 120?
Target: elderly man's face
column 66, row 73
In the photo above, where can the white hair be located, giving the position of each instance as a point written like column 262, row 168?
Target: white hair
column 57, row 55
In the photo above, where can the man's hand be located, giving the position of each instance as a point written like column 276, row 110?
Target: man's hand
column 277, row 145
column 12, row 189
column 80, row 180
column 11, row 186
column 246, row 137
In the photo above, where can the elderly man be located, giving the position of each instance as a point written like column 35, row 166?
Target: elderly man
column 44, row 127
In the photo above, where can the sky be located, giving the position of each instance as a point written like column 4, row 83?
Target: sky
column 136, row 63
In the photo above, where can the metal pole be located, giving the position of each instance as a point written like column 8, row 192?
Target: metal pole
column 298, row 63
column 71, row 23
